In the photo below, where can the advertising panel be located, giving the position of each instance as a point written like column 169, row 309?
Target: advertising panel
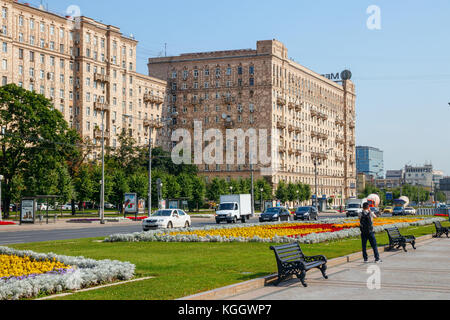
column 27, row 211
column 131, row 204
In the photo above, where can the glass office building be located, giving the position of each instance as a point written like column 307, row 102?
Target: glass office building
column 369, row 160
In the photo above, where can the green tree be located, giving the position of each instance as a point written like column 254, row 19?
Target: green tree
column 199, row 191
column 441, row 197
column 292, row 192
column 138, row 183
column 172, row 188
column 282, row 192
column 216, row 188
column 84, row 183
column 120, row 187
column 186, row 185
column 35, row 138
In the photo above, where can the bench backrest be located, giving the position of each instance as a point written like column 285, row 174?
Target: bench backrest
column 288, row 252
column 393, row 233
column 438, row 225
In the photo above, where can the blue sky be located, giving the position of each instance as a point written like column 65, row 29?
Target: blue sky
column 401, row 72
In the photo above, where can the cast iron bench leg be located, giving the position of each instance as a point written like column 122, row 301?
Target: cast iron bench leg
column 323, row 269
column 302, row 276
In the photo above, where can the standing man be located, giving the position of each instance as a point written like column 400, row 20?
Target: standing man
column 367, row 233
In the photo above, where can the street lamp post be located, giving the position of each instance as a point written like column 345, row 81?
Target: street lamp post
column 318, row 163
column 298, row 198
column 151, row 126
column 102, row 196
column 253, row 195
column 262, row 207
column 1, row 202
column 150, row 129
column 231, row 189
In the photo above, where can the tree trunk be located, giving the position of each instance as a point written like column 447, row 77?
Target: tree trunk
column 5, row 207
column 73, row 207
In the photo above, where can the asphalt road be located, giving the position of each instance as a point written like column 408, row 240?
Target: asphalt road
column 17, row 237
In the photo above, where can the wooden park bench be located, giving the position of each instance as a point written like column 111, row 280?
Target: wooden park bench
column 292, row 261
column 440, row 230
column 396, row 239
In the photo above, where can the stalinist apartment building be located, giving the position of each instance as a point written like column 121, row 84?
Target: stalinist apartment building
column 85, row 67
column 310, row 119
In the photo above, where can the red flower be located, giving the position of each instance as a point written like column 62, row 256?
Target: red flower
column 6, row 223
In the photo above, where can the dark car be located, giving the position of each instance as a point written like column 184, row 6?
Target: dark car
column 306, row 213
column 376, row 211
column 398, row 211
column 275, row 214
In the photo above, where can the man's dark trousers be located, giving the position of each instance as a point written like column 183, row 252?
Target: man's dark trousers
column 373, row 243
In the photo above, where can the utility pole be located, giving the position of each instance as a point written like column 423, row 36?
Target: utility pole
column 102, row 195
column 253, row 196
column 1, row 202
column 150, row 129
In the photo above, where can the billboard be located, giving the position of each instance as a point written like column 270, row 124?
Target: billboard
column 27, row 211
column 131, row 203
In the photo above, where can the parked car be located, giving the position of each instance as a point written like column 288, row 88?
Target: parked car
column 68, row 206
column 306, row 213
column 109, row 205
column 375, row 210
column 388, row 210
column 167, row 218
column 275, row 214
column 398, row 211
column 410, row 211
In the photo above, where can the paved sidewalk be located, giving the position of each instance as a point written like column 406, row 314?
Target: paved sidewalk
column 423, row 274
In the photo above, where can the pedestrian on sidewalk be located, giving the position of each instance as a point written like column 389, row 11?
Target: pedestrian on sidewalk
column 367, row 232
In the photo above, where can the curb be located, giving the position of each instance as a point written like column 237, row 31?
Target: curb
column 258, row 283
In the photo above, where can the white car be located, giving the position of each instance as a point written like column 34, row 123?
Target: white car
column 167, row 218
column 410, row 211
column 68, row 206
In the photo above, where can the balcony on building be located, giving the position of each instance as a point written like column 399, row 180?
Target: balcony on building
column 318, row 115
column 281, row 101
column 101, row 105
column 151, row 98
column 340, row 140
column 98, row 133
column 281, row 125
column 319, row 135
column 154, row 124
column 340, row 122
column 319, row 155
column 101, row 77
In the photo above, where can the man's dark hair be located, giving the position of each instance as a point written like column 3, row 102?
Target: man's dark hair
column 366, row 205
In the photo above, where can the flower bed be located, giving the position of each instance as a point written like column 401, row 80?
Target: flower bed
column 26, row 274
column 6, row 223
column 441, row 215
column 304, row 232
column 137, row 218
column 12, row 266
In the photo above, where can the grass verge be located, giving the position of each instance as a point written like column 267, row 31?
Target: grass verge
column 182, row 269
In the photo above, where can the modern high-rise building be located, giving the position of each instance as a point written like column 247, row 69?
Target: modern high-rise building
column 309, row 119
column 369, row 160
column 85, row 67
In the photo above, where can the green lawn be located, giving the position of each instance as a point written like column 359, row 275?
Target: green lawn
column 182, row 269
